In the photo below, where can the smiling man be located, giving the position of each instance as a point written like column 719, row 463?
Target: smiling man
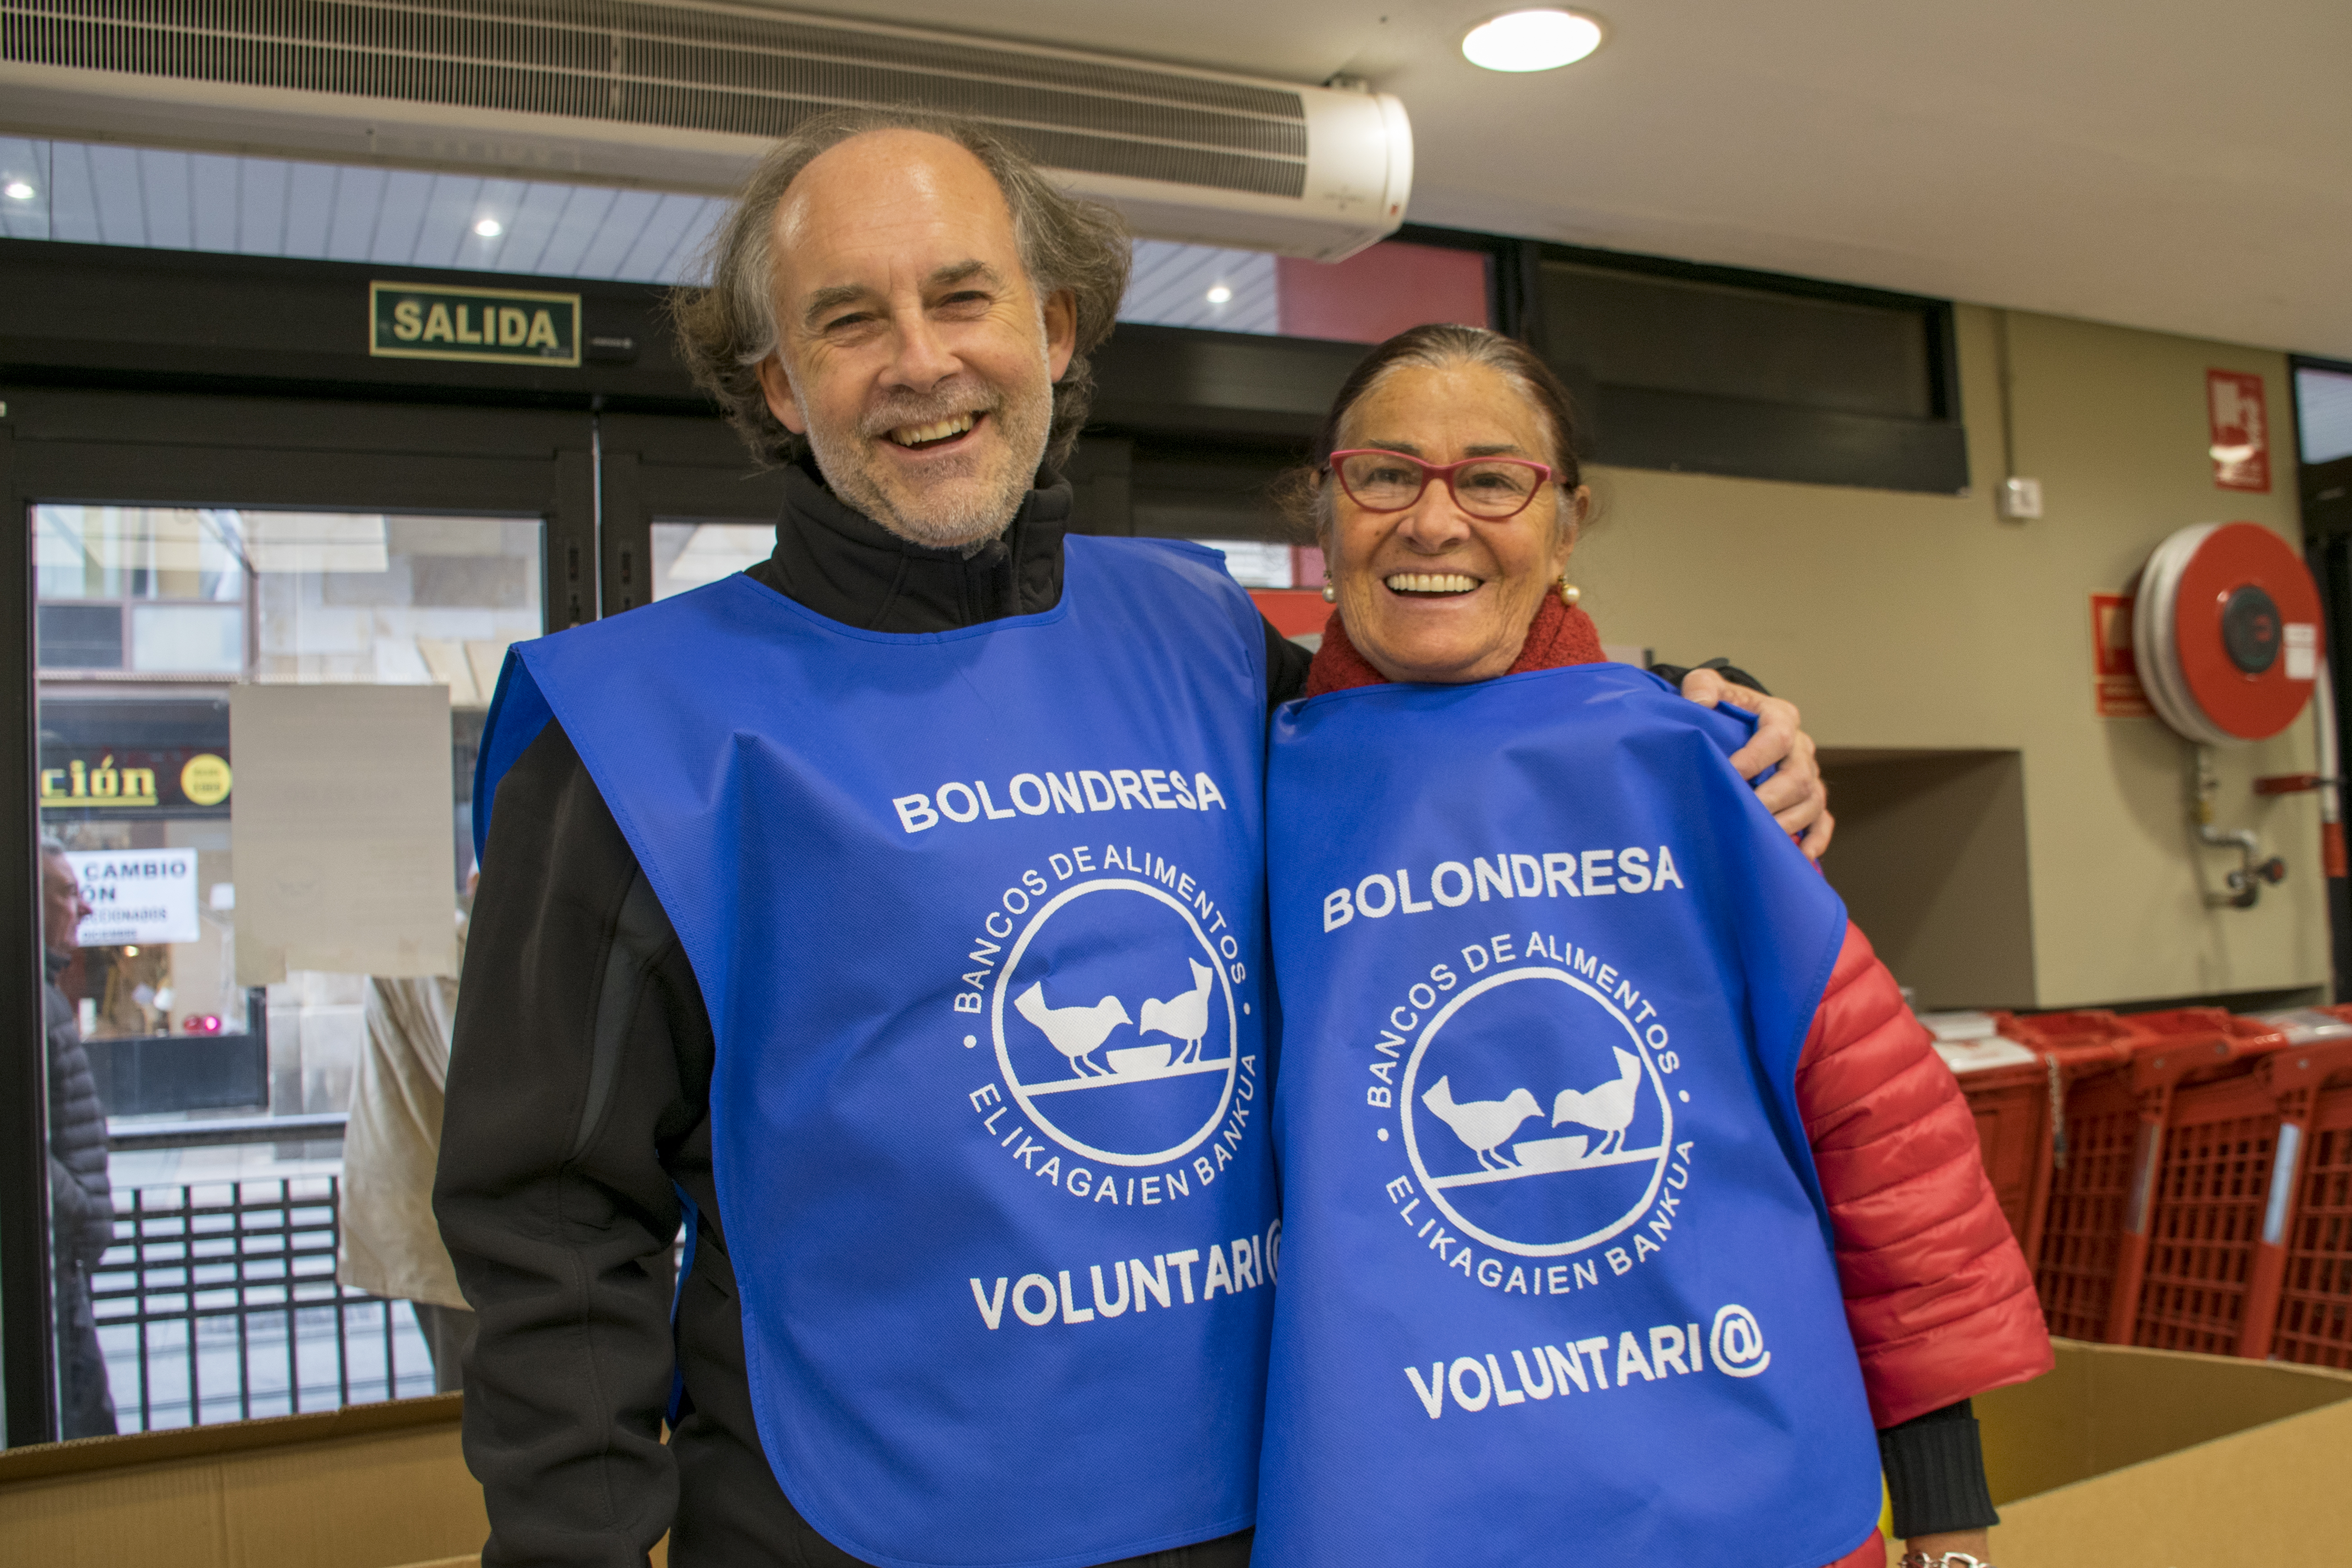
column 891, row 915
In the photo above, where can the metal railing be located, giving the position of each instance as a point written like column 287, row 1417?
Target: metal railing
column 216, row 1133
column 218, row 1302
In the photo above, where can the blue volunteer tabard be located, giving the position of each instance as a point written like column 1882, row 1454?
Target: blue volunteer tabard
column 976, row 915
column 1558, row 1285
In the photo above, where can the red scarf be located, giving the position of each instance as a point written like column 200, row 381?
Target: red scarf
column 1559, row 635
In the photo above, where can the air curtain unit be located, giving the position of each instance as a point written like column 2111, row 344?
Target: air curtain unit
column 684, row 96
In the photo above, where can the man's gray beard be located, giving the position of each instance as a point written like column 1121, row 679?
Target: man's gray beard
column 961, row 519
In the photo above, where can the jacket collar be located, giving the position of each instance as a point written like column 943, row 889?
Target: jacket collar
column 834, row 560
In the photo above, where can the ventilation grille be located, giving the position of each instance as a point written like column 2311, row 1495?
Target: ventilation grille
column 686, row 68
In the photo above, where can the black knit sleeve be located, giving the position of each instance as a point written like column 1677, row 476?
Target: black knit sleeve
column 1935, row 1473
column 566, row 1106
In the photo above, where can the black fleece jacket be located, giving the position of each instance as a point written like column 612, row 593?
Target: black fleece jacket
column 578, row 1108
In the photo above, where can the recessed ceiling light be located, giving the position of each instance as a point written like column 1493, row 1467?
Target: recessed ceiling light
column 1532, row 40
column 490, row 228
column 18, row 191
column 1219, row 294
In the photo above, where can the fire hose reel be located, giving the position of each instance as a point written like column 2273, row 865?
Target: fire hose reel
column 2226, row 633
column 2226, row 629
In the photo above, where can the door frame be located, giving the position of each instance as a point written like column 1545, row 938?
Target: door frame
column 74, row 445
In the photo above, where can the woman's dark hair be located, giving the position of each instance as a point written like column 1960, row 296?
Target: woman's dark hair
column 1305, row 504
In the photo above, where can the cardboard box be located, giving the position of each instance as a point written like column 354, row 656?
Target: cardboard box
column 2120, row 1458
column 372, row 1486
column 2139, row 1458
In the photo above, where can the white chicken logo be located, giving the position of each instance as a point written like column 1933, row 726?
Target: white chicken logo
column 1551, row 1193
column 1121, row 1043
column 1076, row 1031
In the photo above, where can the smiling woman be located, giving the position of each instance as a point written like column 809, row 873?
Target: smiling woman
column 1447, row 497
column 1678, row 1033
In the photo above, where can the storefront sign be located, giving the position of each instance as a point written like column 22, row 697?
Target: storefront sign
column 136, row 895
column 132, row 778
column 2242, row 437
column 2114, row 667
column 504, row 326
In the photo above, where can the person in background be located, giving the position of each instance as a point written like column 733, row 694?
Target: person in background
column 81, row 1196
column 390, row 1243
column 1724, row 1194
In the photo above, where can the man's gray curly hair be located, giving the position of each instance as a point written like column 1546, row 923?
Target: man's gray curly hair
column 729, row 325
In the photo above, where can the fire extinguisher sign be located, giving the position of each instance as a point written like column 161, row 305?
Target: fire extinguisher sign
column 2114, row 667
column 2242, row 437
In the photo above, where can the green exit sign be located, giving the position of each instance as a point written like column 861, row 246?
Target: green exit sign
column 503, row 326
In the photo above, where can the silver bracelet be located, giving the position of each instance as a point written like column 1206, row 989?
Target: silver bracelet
column 1943, row 1560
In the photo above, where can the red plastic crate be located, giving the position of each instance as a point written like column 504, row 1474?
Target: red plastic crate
column 2224, row 1197
column 2191, row 1047
column 2082, row 1210
column 2010, row 1102
column 2314, row 1315
column 2011, row 1107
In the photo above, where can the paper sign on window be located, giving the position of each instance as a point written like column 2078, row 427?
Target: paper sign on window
column 135, row 895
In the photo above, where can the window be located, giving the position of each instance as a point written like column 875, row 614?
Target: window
column 690, row 554
column 218, row 1297
column 1672, row 334
column 1367, row 298
column 1714, row 371
column 2323, row 402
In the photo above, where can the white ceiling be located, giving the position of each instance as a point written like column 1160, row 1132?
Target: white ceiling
column 2152, row 163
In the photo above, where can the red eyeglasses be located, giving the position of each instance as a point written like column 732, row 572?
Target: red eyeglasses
column 1490, row 487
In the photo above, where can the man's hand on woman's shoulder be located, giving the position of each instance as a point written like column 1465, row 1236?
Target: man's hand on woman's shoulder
column 1795, row 795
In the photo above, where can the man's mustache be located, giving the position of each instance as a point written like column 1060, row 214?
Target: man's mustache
column 944, row 402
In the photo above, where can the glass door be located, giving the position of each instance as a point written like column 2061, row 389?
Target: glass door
column 262, row 651
column 683, row 506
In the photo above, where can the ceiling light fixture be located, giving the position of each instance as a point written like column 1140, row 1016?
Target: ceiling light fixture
column 18, row 191
column 1219, row 294
column 490, row 228
column 1532, row 40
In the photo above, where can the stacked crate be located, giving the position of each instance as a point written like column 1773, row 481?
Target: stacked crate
column 2003, row 1083
column 2315, row 1312
column 2213, row 1258
column 2181, row 1179
column 2095, row 1132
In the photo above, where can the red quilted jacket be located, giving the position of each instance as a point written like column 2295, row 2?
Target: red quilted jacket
column 1939, row 1298
column 1937, row 1295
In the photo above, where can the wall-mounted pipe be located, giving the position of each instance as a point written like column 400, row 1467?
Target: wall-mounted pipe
column 2245, row 882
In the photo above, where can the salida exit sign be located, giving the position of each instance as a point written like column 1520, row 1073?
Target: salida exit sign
column 505, row 326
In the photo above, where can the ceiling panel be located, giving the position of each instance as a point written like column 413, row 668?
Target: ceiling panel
column 350, row 229
column 1173, row 286
column 169, row 203
column 102, row 195
column 260, row 205
column 310, row 207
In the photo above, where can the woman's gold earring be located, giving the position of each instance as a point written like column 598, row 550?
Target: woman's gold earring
column 1569, row 592
column 1331, row 594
